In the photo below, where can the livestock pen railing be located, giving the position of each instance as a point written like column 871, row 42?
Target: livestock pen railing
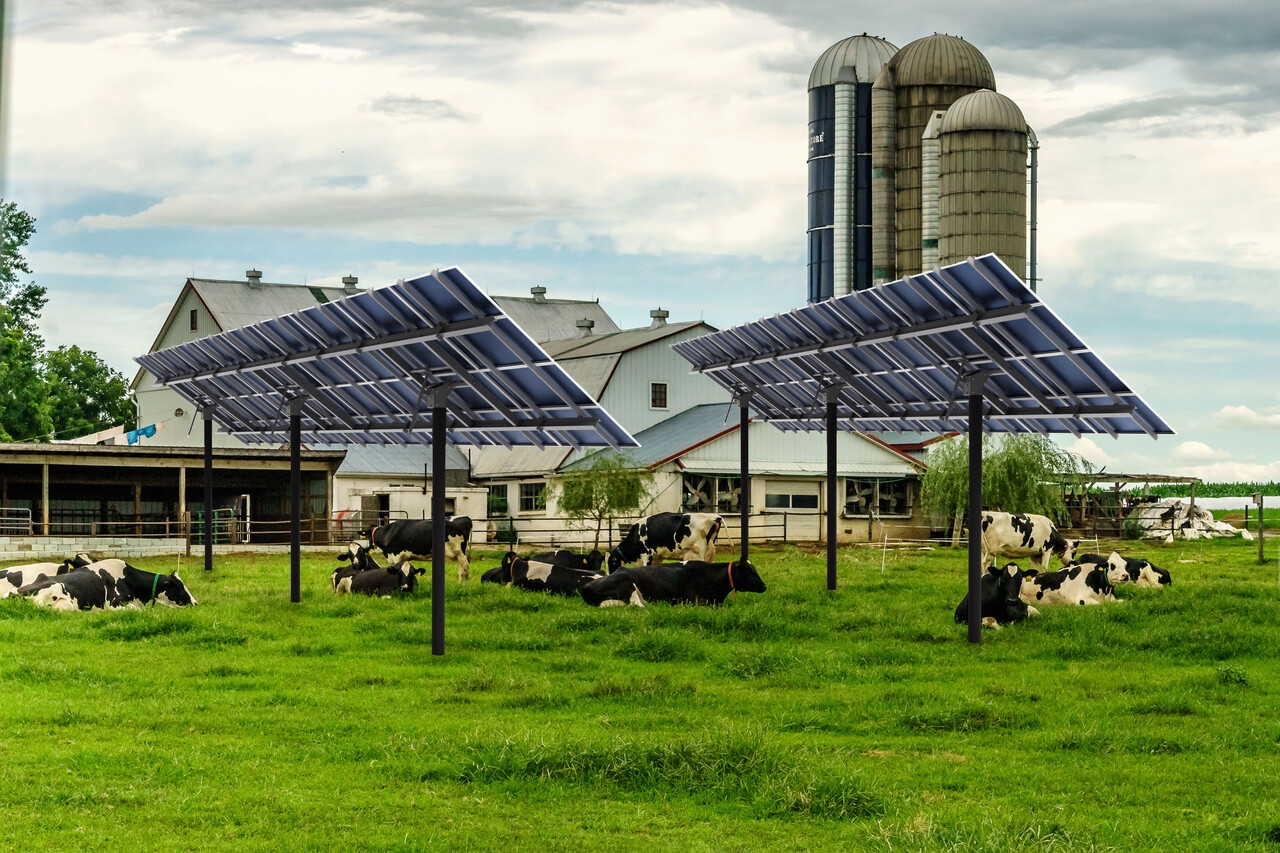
column 574, row 533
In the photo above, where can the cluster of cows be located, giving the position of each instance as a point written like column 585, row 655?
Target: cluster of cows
column 633, row 575
column 1010, row 593
column 82, row 583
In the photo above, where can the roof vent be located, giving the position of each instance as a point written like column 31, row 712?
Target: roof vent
column 349, row 283
column 539, row 293
column 585, row 326
column 254, row 277
column 659, row 318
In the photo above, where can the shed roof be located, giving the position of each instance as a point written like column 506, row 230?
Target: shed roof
column 617, row 342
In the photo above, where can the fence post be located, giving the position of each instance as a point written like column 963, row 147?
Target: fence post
column 784, row 528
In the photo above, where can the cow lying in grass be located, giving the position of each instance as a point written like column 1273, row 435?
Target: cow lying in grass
column 690, row 582
column 18, row 576
column 1120, row 569
column 107, row 585
column 561, row 572
column 365, row 576
column 1078, row 583
column 1000, row 595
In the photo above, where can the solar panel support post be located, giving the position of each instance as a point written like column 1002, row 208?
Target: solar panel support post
column 438, row 395
column 295, row 499
column 833, row 396
column 744, row 472
column 973, row 384
column 207, row 412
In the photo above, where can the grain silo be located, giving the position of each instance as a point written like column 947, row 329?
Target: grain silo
column 929, row 75
column 840, row 195
column 982, row 204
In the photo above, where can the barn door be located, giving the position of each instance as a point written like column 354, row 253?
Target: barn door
column 370, row 512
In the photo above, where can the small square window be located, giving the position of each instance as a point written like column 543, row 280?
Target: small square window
column 532, row 497
column 193, row 319
column 657, row 395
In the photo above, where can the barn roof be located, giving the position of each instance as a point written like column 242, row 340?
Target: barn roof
column 617, row 342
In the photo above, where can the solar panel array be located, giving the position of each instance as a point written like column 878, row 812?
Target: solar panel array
column 898, row 356
column 366, row 370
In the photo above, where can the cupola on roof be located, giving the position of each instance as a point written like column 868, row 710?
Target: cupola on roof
column 941, row 60
column 984, row 110
column 864, row 53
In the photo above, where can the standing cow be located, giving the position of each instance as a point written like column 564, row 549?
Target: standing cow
column 682, row 535
column 411, row 540
column 1021, row 535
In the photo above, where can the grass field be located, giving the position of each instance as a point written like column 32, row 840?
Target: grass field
column 792, row 720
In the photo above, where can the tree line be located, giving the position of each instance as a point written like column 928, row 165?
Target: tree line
column 62, row 393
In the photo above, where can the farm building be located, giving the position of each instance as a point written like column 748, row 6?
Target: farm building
column 694, row 459
column 56, row 498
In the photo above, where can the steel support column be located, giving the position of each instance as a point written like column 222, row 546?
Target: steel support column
column 832, row 519
column 974, row 383
column 207, row 413
column 744, row 481
column 295, row 499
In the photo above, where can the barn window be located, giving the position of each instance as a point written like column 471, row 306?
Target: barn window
column 706, row 493
column 533, row 497
column 657, row 395
column 498, row 500
column 193, row 319
column 888, row 497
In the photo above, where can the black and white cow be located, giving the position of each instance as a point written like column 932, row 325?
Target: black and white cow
column 17, row 576
column 682, row 535
column 690, row 582
column 398, row 577
column 1078, row 583
column 107, row 585
column 411, row 540
column 1001, row 604
column 1022, row 535
column 1121, row 569
column 357, row 557
column 541, row 576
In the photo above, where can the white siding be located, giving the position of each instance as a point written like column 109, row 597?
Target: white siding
column 627, row 395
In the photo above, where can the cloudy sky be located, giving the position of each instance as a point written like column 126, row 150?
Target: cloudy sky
column 650, row 154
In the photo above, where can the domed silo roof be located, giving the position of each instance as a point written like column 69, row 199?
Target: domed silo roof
column 942, row 60
column 864, row 53
column 984, row 110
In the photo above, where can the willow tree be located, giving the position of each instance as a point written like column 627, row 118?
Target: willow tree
column 608, row 486
column 1020, row 473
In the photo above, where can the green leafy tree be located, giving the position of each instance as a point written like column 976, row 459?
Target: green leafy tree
column 85, row 395
column 25, row 414
column 611, row 486
column 1020, row 473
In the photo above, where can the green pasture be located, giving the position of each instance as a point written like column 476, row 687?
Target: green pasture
column 793, row 720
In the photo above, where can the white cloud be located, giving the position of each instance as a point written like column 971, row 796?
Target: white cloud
column 1234, row 472
column 1088, row 449
column 326, row 52
column 1243, row 417
column 1198, row 451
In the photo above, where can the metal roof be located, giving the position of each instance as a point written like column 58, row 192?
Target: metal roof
column 549, row 319
column 866, row 54
column 899, row 355
column 402, row 460
column 238, row 303
column 617, row 342
column 941, row 60
column 364, row 370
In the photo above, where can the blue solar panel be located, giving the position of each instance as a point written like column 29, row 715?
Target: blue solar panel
column 366, row 369
column 899, row 353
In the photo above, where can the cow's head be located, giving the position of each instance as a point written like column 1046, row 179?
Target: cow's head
column 1008, row 591
column 408, row 575
column 744, row 577
column 629, row 549
column 172, row 592
column 1067, row 551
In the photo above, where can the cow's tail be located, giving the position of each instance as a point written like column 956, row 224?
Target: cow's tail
column 715, row 529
